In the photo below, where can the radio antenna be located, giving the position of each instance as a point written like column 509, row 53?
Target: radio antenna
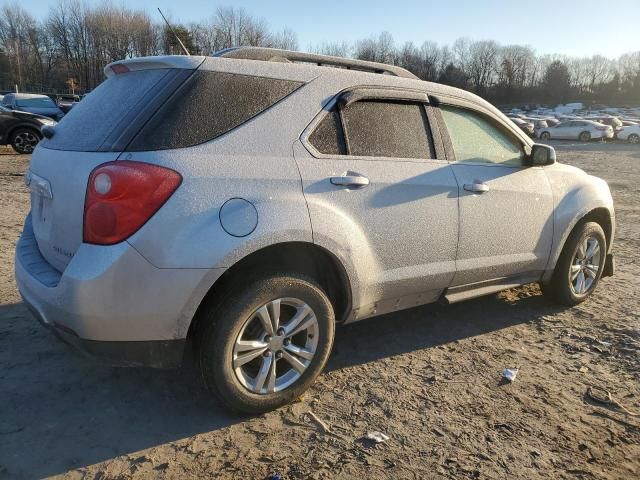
column 184, row 49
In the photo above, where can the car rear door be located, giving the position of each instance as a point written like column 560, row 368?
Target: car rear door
column 382, row 196
column 506, row 207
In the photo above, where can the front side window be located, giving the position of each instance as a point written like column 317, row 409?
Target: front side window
column 477, row 139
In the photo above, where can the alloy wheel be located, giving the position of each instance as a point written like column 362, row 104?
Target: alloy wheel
column 635, row 139
column 275, row 345
column 25, row 142
column 585, row 265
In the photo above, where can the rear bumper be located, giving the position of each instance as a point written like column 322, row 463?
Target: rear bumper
column 155, row 353
column 111, row 302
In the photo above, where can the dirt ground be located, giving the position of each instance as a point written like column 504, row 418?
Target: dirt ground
column 429, row 378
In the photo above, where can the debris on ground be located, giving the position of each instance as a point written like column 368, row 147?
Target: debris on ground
column 325, row 428
column 601, row 395
column 377, row 437
column 509, row 374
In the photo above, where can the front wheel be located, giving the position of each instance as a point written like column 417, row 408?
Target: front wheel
column 635, row 139
column 580, row 265
column 266, row 344
column 24, row 140
column 545, row 136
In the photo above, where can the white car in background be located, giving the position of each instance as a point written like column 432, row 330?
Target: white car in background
column 583, row 130
column 631, row 134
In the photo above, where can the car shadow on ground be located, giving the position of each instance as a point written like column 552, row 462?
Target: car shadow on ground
column 60, row 411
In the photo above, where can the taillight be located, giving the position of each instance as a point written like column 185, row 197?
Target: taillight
column 119, row 68
column 121, row 196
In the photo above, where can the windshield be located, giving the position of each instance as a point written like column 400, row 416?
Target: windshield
column 45, row 102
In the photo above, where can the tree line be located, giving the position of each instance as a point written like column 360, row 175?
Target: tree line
column 68, row 49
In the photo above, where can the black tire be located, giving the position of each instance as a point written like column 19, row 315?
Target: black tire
column 24, row 140
column 584, row 137
column 633, row 138
column 560, row 288
column 545, row 136
column 223, row 325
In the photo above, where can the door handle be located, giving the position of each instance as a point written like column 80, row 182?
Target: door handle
column 350, row 179
column 476, row 187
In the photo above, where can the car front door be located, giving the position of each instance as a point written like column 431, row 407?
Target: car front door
column 562, row 130
column 382, row 197
column 506, row 207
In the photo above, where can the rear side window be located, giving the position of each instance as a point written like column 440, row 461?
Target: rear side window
column 208, row 105
column 387, row 129
column 375, row 129
column 104, row 111
column 477, row 139
column 328, row 136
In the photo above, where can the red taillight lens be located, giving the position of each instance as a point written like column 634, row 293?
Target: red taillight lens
column 122, row 196
column 119, row 68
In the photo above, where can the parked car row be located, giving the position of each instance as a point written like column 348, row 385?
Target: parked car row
column 583, row 128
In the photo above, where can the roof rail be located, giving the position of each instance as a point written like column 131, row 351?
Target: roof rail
column 277, row 55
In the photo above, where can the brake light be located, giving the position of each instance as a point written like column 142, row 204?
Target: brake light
column 119, row 68
column 122, row 196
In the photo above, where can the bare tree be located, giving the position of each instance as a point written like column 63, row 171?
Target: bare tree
column 482, row 63
column 285, row 39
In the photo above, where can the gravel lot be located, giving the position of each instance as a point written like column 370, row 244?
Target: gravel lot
column 429, row 378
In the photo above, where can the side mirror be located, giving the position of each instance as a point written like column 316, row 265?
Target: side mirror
column 542, row 155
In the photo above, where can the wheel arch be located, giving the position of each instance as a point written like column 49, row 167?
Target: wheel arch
column 28, row 126
column 295, row 257
column 602, row 216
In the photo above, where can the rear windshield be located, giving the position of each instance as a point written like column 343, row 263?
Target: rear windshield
column 106, row 111
column 45, row 102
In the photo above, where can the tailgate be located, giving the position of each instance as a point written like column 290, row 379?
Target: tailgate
column 58, row 182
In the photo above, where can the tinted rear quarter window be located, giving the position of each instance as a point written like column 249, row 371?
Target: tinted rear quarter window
column 328, row 137
column 208, row 105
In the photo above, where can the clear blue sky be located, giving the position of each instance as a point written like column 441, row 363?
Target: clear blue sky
column 571, row 27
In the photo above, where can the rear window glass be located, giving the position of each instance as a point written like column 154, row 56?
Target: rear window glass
column 328, row 137
column 387, row 129
column 208, row 105
column 89, row 123
column 44, row 102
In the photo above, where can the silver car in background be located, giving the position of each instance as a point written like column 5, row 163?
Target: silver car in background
column 251, row 201
column 582, row 130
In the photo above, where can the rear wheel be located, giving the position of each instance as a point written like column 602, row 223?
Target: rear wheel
column 580, row 265
column 585, row 137
column 545, row 136
column 266, row 344
column 24, row 140
column 635, row 139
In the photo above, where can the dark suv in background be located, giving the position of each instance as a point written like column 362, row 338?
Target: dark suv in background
column 21, row 130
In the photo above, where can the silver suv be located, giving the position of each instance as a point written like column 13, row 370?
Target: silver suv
column 251, row 201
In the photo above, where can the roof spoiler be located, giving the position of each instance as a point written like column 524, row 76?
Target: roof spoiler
column 277, row 55
column 148, row 63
